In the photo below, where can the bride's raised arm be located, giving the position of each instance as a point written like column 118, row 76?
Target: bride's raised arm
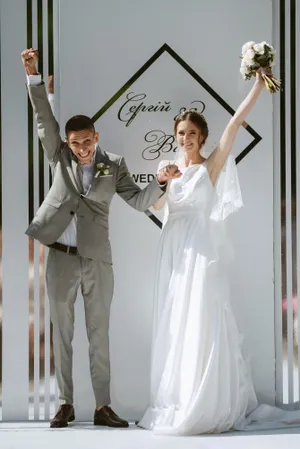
column 217, row 159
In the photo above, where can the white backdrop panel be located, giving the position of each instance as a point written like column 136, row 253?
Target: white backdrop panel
column 101, row 46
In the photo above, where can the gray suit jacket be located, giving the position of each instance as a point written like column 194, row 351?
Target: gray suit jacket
column 65, row 197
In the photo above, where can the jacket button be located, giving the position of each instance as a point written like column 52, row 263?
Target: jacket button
column 72, row 212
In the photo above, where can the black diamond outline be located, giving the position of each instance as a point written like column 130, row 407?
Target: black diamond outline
column 166, row 48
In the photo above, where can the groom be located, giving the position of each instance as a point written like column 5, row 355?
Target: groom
column 73, row 222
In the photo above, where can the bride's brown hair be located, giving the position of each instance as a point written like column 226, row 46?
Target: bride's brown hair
column 196, row 118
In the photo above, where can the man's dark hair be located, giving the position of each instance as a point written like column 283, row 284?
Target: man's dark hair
column 79, row 123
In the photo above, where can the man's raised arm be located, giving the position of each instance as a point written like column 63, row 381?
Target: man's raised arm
column 48, row 129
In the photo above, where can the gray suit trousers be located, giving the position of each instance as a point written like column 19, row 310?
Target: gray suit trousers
column 64, row 275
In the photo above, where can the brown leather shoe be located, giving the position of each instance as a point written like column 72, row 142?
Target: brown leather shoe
column 107, row 417
column 64, row 415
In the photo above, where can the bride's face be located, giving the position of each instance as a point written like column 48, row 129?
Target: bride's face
column 189, row 136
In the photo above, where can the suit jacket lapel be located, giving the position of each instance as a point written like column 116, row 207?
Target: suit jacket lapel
column 100, row 156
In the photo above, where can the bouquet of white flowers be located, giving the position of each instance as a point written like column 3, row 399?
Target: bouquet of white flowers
column 255, row 56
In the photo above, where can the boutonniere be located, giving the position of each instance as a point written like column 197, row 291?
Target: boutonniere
column 102, row 169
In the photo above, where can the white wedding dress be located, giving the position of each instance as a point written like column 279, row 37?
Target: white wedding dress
column 199, row 379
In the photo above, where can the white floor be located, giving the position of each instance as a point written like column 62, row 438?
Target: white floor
column 86, row 436
column 38, row 435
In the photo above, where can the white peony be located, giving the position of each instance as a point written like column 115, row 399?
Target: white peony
column 245, row 64
column 244, row 70
column 249, row 55
column 259, row 48
column 247, row 46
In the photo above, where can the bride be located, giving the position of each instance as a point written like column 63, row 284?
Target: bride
column 199, row 379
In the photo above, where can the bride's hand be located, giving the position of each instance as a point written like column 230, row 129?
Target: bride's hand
column 170, row 171
column 263, row 71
